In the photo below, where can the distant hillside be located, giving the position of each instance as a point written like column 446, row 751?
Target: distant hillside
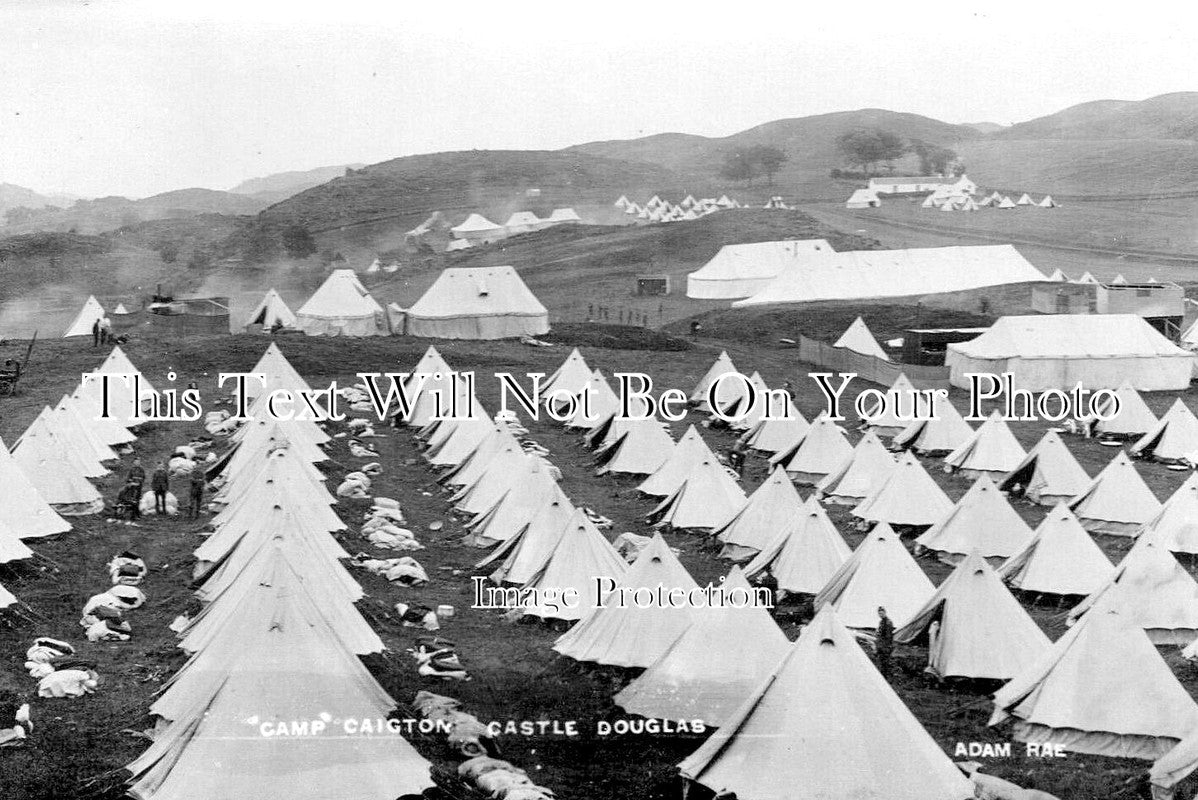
column 109, row 213
column 282, row 185
column 408, row 189
column 809, row 142
column 13, row 196
column 1165, row 117
column 985, row 127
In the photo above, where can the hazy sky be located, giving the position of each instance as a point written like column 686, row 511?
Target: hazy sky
column 109, row 97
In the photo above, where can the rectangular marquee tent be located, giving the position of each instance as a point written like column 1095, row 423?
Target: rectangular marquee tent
column 477, row 303
column 1049, row 351
column 742, row 270
column 896, row 273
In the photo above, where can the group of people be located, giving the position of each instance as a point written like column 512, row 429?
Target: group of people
column 102, row 332
column 128, row 502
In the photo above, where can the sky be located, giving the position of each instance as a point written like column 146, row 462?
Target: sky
column 133, row 98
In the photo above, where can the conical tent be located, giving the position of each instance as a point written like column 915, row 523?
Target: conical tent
column 1175, row 526
column 707, row 497
column 578, row 562
column 728, row 387
column 11, row 546
column 680, row 460
column 640, row 450
column 341, row 307
column 941, row 431
column 1151, row 590
column 1025, row 200
column 983, row 631
column 1006, row 202
column 1118, row 280
column 530, row 489
column 290, row 669
column 570, row 378
column 713, row 666
column 803, row 553
column 502, row 472
column 1047, row 202
column 600, row 403
column 1101, row 689
column 460, row 439
column 279, row 372
column 908, row 496
column 623, row 633
column 475, row 464
column 825, row 724
column 1117, row 501
column 899, row 408
column 120, row 310
column 1060, row 559
column 864, row 470
column 109, row 431
column 777, row 433
column 91, row 313
column 1133, row 418
column 749, row 410
column 21, row 506
column 1048, row 475
column 55, row 479
column 821, row 450
column 859, row 339
column 519, row 559
column 752, row 527
column 94, row 434
column 1058, row 277
column 120, row 389
column 270, row 312
column 982, row 522
column 1087, row 278
column 992, row 450
column 59, row 434
column 1173, row 438
column 879, row 573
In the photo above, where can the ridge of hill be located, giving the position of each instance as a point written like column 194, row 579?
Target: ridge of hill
column 1164, row 117
column 110, row 213
column 281, row 185
column 13, row 196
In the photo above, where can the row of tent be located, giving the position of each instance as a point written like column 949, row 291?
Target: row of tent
column 658, row 210
column 277, row 643
column 476, row 229
column 995, row 200
column 733, row 669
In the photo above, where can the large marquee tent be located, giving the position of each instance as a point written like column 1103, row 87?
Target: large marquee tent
column 477, row 303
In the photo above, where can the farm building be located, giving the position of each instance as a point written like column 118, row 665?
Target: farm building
column 1057, row 352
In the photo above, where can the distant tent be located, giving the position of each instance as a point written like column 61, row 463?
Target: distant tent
column 707, row 497
column 908, row 496
column 928, row 202
column 1048, row 202
column 1101, row 689
column 1048, row 475
column 621, row 202
column 713, row 667
column 802, row 554
column 985, row 202
column 822, row 449
column 968, row 204
column 1174, row 437
column 1117, row 501
column 863, row 198
column 1118, row 280
column 680, row 460
column 981, row 630
column 1060, row 559
column 992, row 450
column 271, row 310
column 603, row 403
column 1175, row 526
column 749, row 414
column 522, row 557
column 91, row 313
column 879, row 573
column 1005, row 203
column 779, row 739
column 861, row 472
column 1087, row 278
column 728, row 390
column 859, row 339
column 981, row 523
column 477, row 229
column 624, row 634
column 375, row 266
column 1151, row 590
column 561, row 216
column 522, row 222
column 341, row 307
column 1134, row 417
column 1025, row 200
column 477, row 303
column 1058, row 277
column 121, row 400
column 120, row 310
column 570, row 378
column 747, row 531
column 457, row 244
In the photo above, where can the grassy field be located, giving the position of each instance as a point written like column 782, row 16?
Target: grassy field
column 79, row 746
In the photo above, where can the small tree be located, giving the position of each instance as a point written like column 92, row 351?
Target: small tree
column 868, row 147
column 737, row 166
column 768, row 160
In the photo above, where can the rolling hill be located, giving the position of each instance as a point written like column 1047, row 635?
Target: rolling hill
column 13, row 196
column 1165, row 117
column 281, row 185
